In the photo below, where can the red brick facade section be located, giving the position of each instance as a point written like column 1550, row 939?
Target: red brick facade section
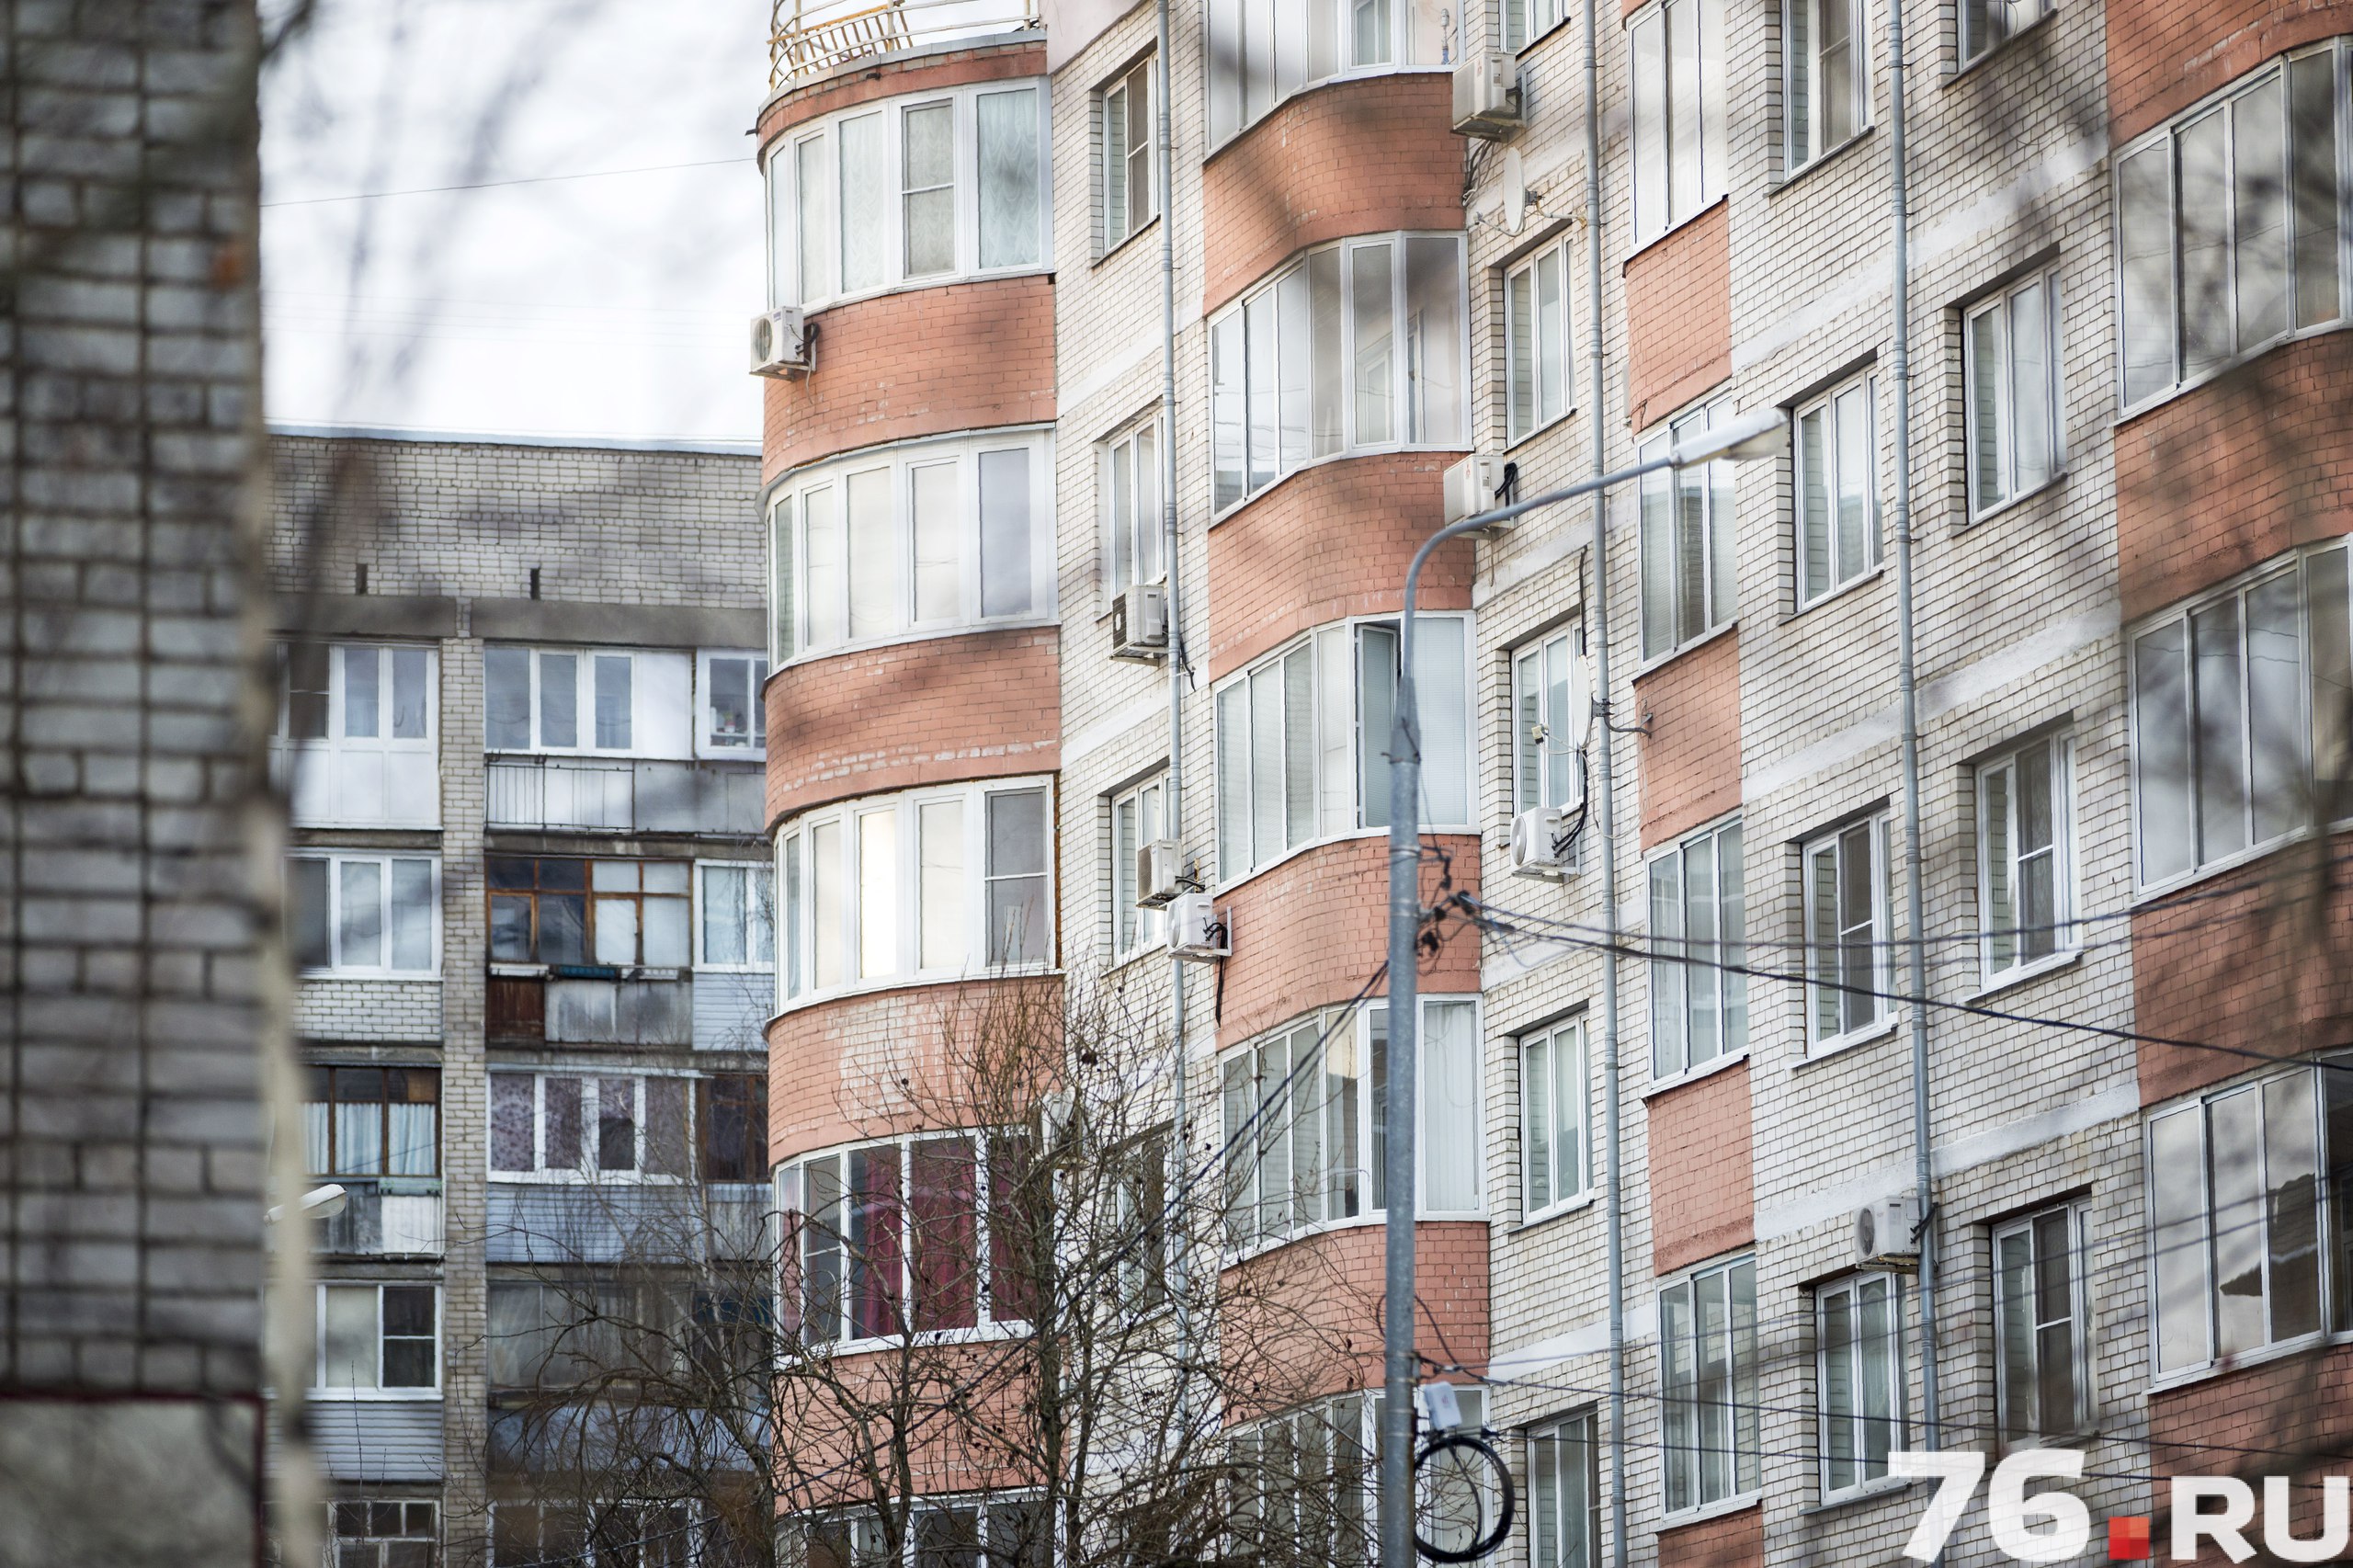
column 1330, row 541
column 1313, row 929
column 920, row 362
column 2254, row 1424
column 2228, row 475
column 2164, row 55
column 858, row 1402
column 1304, row 1320
column 2262, row 961
column 902, row 77
column 1352, row 157
column 984, row 705
column 1679, row 317
column 1691, row 755
column 1728, row 1541
column 1701, row 1179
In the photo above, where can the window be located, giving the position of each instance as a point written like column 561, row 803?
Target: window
column 1137, row 818
column 1549, row 681
column 2040, row 1322
column 611, row 914
column 1837, row 490
column 909, row 192
column 555, row 1333
column 372, row 1121
column 930, row 884
column 2025, row 870
column 1846, row 933
column 584, row 702
column 1302, row 739
column 377, row 1339
column 609, row 1535
column 1690, row 580
column 1302, row 1486
column 576, row 1127
column 364, row 914
column 1132, row 514
column 1525, row 21
column 2227, row 226
column 1564, row 1495
column 1679, row 159
column 1825, row 61
column 1986, row 25
column 1127, row 142
column 382, row 1534
column 917, row 1235
column 1860, row 1392
column 1707, row 1330
column 1554, row 1093
column 356, row 742
column 999, row 1532
column 1261, row 51
column 1306, row 1118
column 925, row 537
column 2223, row 758
column 1699, row 999
column 1139, row 1189
column 738, row 925
column 2010, row 345
column 1538, row 360
column 1354, row 347
column 731, row 1125
column 735, row 718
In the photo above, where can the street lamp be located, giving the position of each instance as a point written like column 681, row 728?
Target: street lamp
column 1747, row 439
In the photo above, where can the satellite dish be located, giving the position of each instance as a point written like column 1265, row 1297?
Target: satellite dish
column 1580, row 701
column 1515, row 190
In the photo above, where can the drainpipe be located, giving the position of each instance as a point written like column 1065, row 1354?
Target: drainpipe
column 1604, row 803
column 1907, row 686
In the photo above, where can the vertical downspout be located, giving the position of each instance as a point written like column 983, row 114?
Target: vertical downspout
column 1614, row 1230
column 1907, row 686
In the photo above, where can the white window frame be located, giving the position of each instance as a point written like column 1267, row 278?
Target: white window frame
column 785, row 160
column 1335, row 811
column 1546, row 769
column 412, row 799
column 2150, row 280
column 863, row 1534
column 1256, row 330
column 1520, row 23
column 1667, row 876
column 589, row 1171
column 1135, row 932
column 1135, row 540
column 1873, row 833
column 760, row 932
column 1282, row 47
column 2008, row 935
column 904, row 467
column 1678, row 57
column 646, row 1516
column 1122, row 162
column 384, row 860
column 1985, row 26
column 1888, row 1383
column 1685, row 1448
column 377, row 1394
column 1253, row 1100
column 2000, row 440
column 1557, row 1450
column 647, row 667
column 2316, row 576
column 1670, row 578
column 797, row 849
column 1833, row 413
column 1525, row 338
column 344, row 1546
column 1802, row 72
column 753, row 747
column 2029, row 1229
column 1564, row 1108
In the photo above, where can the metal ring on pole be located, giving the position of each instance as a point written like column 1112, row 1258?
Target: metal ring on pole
column 1474, row 1454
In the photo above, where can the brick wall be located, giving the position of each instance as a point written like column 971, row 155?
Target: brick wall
column 1730, row 1540
column 2281, row 1418
column 1679, row 317
column 2164, row 55
column 983, row 705
column 1700, row 1169
column 1689, row 756
column 864, row 81
column 1353, row 157
column 919, row 362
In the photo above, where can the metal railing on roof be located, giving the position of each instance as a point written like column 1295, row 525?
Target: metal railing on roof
column 808, row 39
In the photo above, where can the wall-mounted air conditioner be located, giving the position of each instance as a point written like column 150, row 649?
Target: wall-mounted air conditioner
column 781, row 342
column 1140, row 623
column 1884, row 1233
column 1160, row 864
column 1486, row 95
column 1537, row 847
column 1197, row 931
column 1472, row 487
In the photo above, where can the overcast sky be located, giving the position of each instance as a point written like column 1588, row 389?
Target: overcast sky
column 612, row 305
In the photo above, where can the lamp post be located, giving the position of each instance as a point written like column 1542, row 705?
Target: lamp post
column 1746, row 438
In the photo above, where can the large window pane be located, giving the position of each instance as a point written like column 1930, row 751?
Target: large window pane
column 926, row 157
column 1009, row 177
column 1006, row 570
column 865, row 189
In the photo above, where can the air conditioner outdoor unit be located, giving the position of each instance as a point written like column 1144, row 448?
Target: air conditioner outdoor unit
column 1486, row 95
column 1536, row 847
column 1140, row 623
column 1471, row 487
column 1195, row 931
column 1159, row 864
column 1884, row 1235
column 779, row 342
